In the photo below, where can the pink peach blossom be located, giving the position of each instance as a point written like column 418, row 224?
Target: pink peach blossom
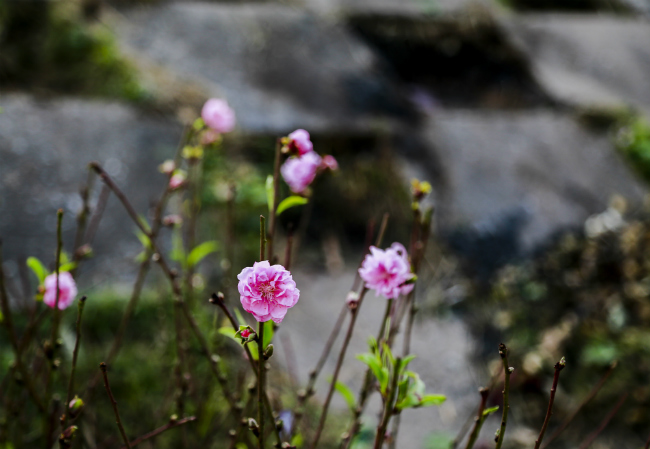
column 67, row 290
column 177, row 180
column 299, row 142
column 299, row 172
column 218, row 116
column 267, row 291
column 246, row 333
column 329, row 162
column 387, row 271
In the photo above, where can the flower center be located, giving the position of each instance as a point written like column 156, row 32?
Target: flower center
column 267, row 291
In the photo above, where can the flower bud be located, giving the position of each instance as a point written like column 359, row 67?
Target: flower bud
column 254, row 427
column 269, row 352
column 75, row 406
column 167, row 167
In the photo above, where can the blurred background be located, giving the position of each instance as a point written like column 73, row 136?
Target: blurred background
column 530, row 118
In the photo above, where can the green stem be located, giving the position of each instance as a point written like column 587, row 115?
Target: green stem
column 503, row 353
column 75, row 354
column 260, row 381
column 388, row 406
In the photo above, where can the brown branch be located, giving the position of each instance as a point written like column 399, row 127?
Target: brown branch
column 559, row 366
column 478, row 421
column 584, row 402
column 388, row 406
column 590, row 439
column 170, row 425
column 102, row 366
column 503, row 353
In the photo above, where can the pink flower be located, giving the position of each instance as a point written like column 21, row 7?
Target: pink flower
column 177, row 180
column 329, row 162
column 167, row 167
column 299, row 172
column 267, row 291
column 67, row 290
column 299, row 142
column 218, row 115
column 246, row 333
column 387, row 271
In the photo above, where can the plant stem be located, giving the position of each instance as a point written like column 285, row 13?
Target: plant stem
column 559, row 366
column 584, row 402
column 75, row 354
column 170, row 425
column 262, row 237
column 260, row 381
column 354, row 313
column 102, row 366
column 388, row 406
column 478, row 421
column 276, row 198
column 590, row 439
column 11, row 331
column 503, row 353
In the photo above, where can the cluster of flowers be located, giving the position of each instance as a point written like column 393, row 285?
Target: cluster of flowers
column 300, row 170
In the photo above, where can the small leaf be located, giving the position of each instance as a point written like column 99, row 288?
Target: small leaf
column 67, row 267
column 433, row 399
column 489, row 411
column 270, row 192
column 64, row 258
column 37, row 267
column 268, row 333
column 405, row 361
column 145, row 224
column 373, row 363
column 289, row 202
column 144, row 239
column 201, row 251
column 228, row 332
column 347, row 394
column 297, row 440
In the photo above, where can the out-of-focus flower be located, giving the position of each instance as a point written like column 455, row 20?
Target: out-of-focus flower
column 75, row 406
column 218, row 116
column 193, row 152
column 298, row 142
column 167, row 167
column 420, row 189
column 67, row 290
column 329, row 162
column 299, row 172
column 388, row 272
column 177, row 180
column 210, row 136
column 267, row 291
column 172, row 220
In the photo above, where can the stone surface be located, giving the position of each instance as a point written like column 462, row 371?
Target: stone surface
column 270, row 62
column 512, row 179
column 45, row 147
column 587, row 60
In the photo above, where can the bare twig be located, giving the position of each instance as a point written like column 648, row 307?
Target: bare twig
column 170, row 425
column 478, row 421
column 584, row 402
column 102, row 366
column 93, row 225
column 559, row 366
column 503, row 353
column 590, row 439
column 75, row 354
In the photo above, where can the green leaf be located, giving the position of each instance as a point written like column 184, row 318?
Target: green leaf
column 69, row 266
column 228, row 332
column 270, row 192
column 389, row 354
column 347, row 394
column 200, row 251
column 37, row 267
column 144, row 239
column 64, row 258
column 405, row 361
column 291, row 201
column 373, row 363
column 145, row 224
column 239, row 316
column 433, row 399
column 489, row 411
column 297, row 440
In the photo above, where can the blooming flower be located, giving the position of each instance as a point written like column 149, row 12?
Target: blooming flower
column 267, row 291
column 177, row 180
column 218, row 115
column 299, row 172
column 329, row 162
column 387, row 271
column 299, row 142
column 67, row 290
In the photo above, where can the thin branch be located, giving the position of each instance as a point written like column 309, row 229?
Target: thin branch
column 388, row 406
column 170, row 425
column 559, row 366
column 75, row 354
column 276, row 198
column 590, row 439
column 261, row 416
column 478, row 421
column 102, row 366
column 584, row 402
column 354, row 313
column 93, row 225
column 503, row 353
